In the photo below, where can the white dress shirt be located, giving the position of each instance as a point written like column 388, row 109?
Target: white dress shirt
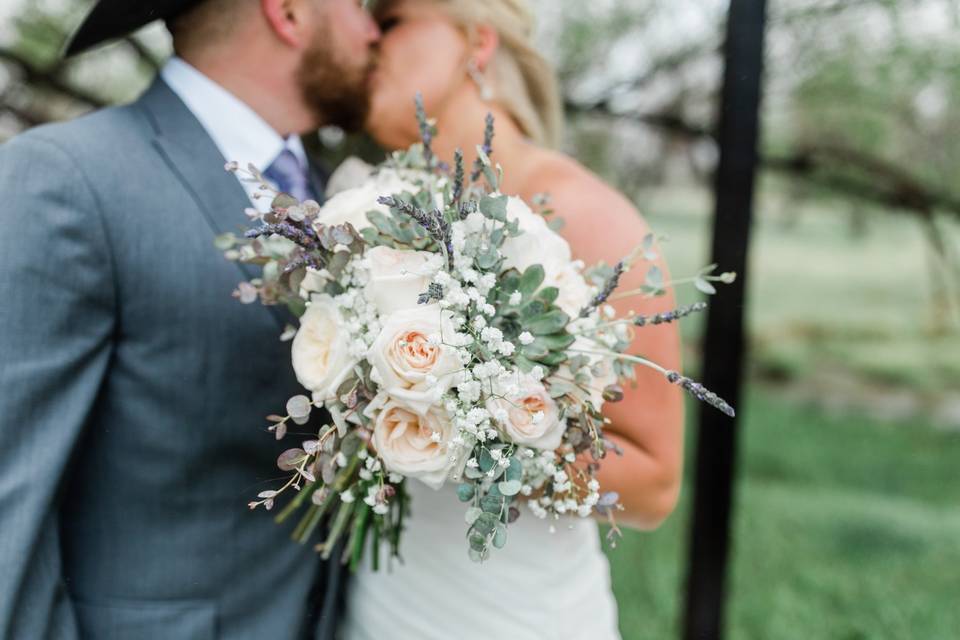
column 238, row 131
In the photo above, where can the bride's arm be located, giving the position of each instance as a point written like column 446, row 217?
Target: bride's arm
column 647, row 424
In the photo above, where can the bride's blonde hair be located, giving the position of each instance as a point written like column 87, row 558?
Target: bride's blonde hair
column 522, row 81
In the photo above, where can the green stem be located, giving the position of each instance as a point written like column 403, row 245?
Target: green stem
column 339, row 524
column 375, row 542
column 298, row 531
column 297, row 501
column 359, row 535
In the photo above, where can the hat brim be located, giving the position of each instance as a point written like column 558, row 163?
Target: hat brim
column 111, row 19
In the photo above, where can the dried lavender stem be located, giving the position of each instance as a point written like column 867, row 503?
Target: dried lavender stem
column 608, row 288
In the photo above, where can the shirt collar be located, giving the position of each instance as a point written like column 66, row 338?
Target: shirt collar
column 237, row 130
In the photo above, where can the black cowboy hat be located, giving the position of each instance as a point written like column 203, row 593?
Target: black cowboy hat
column 111, row 19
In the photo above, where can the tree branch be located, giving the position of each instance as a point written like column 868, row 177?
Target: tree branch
column 889, row 186
column 51, row 78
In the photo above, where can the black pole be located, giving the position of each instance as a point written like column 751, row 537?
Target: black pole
column 738, row 132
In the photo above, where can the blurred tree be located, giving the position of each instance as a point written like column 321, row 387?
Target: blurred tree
column 861, row 101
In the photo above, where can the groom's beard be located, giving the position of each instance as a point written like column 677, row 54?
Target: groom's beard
column 336, row 91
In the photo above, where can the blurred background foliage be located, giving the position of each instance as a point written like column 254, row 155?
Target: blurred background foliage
column 847, row 523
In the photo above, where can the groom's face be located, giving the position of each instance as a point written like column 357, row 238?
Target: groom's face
column 334, row 74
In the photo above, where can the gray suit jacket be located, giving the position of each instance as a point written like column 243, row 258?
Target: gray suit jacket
column 132, row 393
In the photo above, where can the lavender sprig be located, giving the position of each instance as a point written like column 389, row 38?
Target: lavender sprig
column 284, row 229
column 426, row 131
column 701, row 393
column 487, row 148
column 458, row 176
column 608, row 288
column 466, row 208
column 669, row 316
column 303, row 260
column 434, row 222
column 434, row 292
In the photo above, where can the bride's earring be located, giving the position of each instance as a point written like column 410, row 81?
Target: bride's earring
column 473, row 70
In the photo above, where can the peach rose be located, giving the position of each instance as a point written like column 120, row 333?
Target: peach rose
column 414, row 445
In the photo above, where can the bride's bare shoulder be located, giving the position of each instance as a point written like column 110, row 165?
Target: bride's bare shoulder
column 598, row 218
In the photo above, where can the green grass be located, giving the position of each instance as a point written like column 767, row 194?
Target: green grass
column 845, row 529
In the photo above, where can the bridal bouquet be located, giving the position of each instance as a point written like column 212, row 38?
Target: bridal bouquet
column 451, row 338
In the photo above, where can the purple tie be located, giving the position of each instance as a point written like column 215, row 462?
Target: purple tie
column 290, row 176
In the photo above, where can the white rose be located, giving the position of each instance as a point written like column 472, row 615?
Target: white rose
column 321, row 349
column 407, row 445
column 537, row 244
column 575, row 293
column 352, row 172
column 414, row 371
column 313, row 282
column 397, row 278
column 530, row 416
column 353, row 204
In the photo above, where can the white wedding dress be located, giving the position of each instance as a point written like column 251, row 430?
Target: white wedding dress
column 539, row 586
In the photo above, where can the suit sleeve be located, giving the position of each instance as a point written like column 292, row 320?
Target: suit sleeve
column 56, row 327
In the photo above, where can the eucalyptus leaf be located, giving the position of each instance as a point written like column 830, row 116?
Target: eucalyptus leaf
column 494, row 207
column 466, row 491
column 299, row 407
column 486, row 523
column 703, row 285
column 515, row 470
column 654, row 277
column 291, row 459
column 509, row 487
column 489, row 259
column 500, row 536
column 472, row 514
column 491, row 504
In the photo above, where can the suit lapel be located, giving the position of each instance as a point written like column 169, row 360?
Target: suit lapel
column 194, row 159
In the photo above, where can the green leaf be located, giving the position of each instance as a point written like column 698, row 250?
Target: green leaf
column 478, row 542
column 515, row 470
column 548, row 295
column 551, row 322
column 560, row 388
column 491, row 504
column 486, row 461
column 485, row 523
column 556, row 341
column 297, row 306
column 500, row 536
column 472, row 514
column 525, row 364
column 384, row 225
column 509, row 487
column 489, row 259
column 535, row 350
column 654, row 277
column 491, row 178
column 465, row 492
column 531, row 280
column 494, row 207
column 284, row 201
column 554, row 358
column 533, row 309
